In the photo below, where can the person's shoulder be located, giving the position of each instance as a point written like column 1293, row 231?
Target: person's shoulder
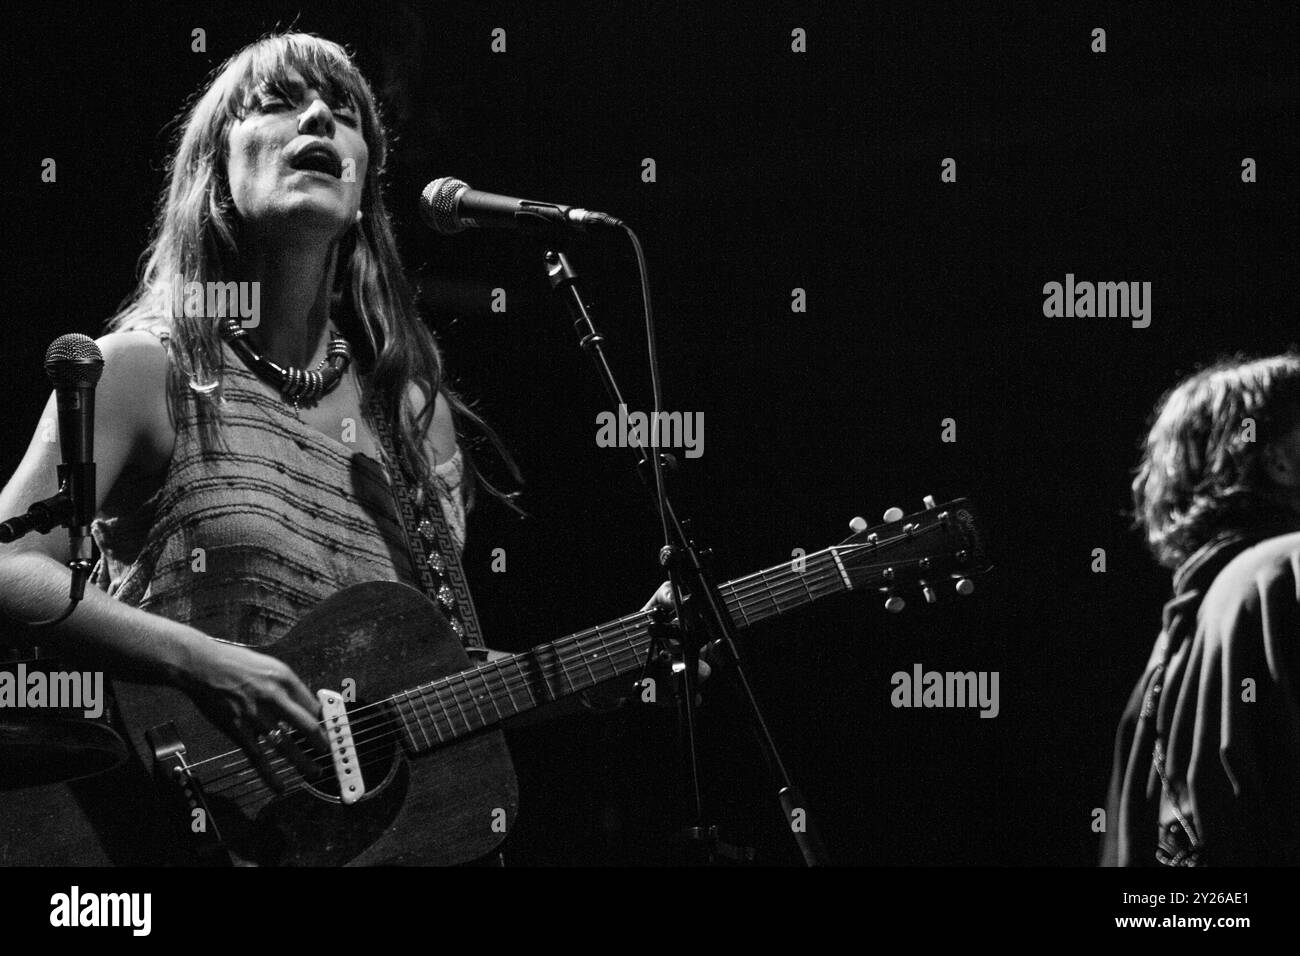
column 135, row 367
column 1267, row 570
column 133, row 350
column 1270, row 557
column 133, row 388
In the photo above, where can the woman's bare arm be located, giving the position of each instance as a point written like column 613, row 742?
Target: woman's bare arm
column 241, row 690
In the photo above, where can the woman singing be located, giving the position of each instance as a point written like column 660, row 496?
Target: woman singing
column 241, row 474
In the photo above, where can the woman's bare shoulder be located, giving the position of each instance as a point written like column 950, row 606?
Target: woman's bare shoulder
column 133, row 389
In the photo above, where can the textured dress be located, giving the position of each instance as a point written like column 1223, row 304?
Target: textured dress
column 239, row 542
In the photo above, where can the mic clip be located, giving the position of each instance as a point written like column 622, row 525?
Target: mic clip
column 42, row 516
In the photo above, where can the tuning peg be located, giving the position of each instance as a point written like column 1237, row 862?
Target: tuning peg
column 894, row 603
column 858, row 524
column 930, row 596
column 965, row 587
column 893, row 514
column 928, row 501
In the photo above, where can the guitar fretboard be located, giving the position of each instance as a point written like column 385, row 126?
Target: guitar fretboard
column 451, row 707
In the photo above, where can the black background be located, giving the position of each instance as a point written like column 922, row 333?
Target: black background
column 775, row 170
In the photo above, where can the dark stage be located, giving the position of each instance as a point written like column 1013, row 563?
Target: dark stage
column 774, row 171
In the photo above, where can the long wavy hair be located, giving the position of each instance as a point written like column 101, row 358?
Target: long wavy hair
column 1202, row 469
column 196, row 235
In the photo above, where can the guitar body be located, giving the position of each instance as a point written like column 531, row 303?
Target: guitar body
column 439, row 787
column 446, row 806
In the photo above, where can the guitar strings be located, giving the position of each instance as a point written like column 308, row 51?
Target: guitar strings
column 376, row 715
column 564, row 657
column 623, row 660
column 565, row 653
column 742, row 593
column 281, row 764
column 359, row 715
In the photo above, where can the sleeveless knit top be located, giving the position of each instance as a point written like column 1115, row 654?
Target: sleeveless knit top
column 240, row 541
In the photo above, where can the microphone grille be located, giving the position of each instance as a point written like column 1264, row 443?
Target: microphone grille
column 73, row 360
column 438, row 205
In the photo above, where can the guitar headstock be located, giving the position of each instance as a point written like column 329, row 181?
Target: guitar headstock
column 941, row 544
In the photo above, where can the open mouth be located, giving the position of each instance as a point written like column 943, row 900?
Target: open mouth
column 318, row 158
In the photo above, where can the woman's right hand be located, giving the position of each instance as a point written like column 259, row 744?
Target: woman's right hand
column 247, row 695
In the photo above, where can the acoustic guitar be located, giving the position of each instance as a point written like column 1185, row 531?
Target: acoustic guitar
column 418, row 770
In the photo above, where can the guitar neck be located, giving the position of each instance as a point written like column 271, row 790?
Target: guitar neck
column 452, row 707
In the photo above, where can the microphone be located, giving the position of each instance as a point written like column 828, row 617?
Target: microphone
column 449, row 206
column 74, row 364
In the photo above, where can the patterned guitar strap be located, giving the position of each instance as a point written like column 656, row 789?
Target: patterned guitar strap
column 431, row 546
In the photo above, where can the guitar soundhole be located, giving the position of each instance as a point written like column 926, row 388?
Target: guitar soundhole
column 376, row 736
column 311, row 827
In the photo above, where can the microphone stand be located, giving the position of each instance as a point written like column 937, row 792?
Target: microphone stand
column 683, row 559
column 45, row 515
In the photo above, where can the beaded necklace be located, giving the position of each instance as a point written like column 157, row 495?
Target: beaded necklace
column 296, row 385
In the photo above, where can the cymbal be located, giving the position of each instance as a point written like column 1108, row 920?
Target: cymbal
column 43, row 750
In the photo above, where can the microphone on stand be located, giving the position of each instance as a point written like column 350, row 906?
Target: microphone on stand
column 74, row 365
column 448, row 206
column 52, row 746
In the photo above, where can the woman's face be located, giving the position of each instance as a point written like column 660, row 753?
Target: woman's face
column 297, row 163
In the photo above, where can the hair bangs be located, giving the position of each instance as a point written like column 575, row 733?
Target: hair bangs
column 269, row 64
column 195, row 237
